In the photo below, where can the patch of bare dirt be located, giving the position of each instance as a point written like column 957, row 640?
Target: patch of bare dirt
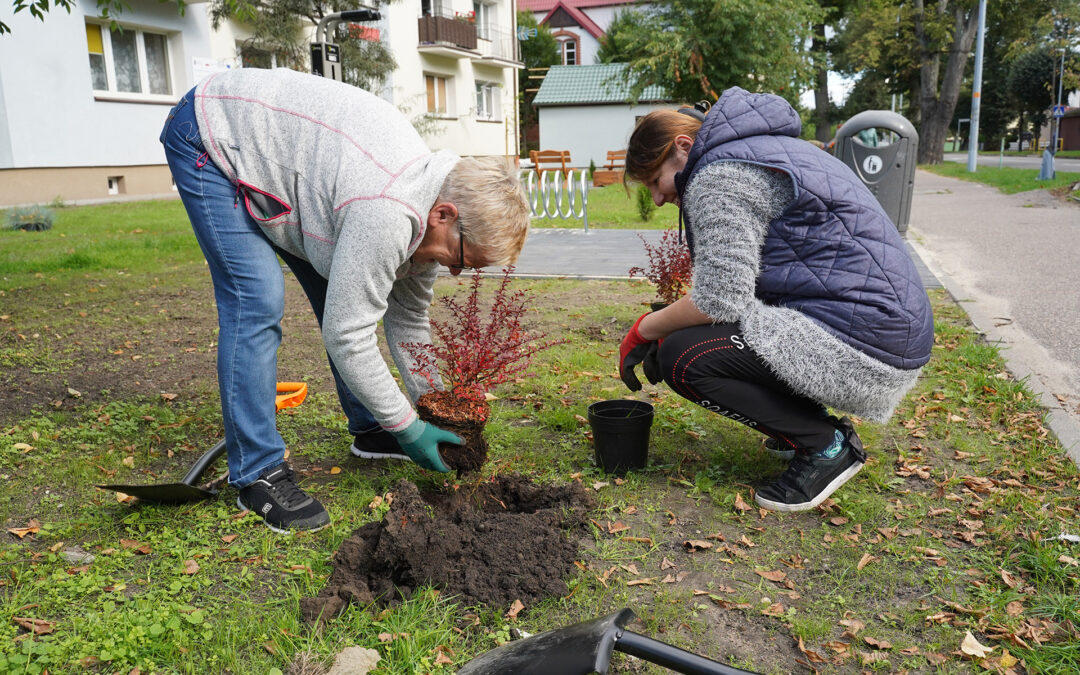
column 506, row 540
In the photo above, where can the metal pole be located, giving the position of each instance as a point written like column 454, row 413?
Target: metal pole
column 1057, row 120
column 976, row 90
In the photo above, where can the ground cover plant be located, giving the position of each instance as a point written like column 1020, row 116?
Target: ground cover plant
column 950, row 552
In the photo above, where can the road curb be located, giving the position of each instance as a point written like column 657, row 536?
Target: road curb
column 1063, row 425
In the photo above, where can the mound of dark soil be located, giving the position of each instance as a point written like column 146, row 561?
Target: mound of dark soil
column 506, row 540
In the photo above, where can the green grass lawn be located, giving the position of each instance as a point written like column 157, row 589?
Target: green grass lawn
column 612, row 207
column 1008, row 180
column 950, row 531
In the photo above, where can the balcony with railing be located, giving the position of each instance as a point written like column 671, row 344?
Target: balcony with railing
column 497, row 45
column 447, row 35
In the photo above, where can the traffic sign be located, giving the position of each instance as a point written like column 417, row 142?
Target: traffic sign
column 1057, row 111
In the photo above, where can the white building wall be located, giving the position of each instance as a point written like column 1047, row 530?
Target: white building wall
column 49, row 115
column 459, row 130
column 588, row 132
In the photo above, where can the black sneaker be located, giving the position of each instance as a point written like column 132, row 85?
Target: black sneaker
column 283, row 506
column 378, row 444
column 812, row 477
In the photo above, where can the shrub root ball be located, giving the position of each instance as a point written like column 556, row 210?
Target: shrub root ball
column 462, row 417
column 504, row 540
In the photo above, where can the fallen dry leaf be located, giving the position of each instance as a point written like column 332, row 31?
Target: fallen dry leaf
column 972, row 647
column 666, row 564
column 648, row 581
column 694, row 545
column 33, row 527
column 1069, row 560
column 865, row 560
column 853, row 627
column 440, row 658
column 877, row 644
column 24, row 447
column 35, row 626
column 515, row 608
column 740, row 505
column 334, row 470
column 599, row 484
column 190, row 567
column 774, row 575
column 229, row 538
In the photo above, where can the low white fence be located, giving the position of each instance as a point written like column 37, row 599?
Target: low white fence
column 553, row 195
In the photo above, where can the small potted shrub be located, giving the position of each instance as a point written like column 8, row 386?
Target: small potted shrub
column 30, row 218
column 670, row 268
column 474, row 350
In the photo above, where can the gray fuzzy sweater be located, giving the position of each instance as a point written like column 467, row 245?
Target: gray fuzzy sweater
column 338, row 177
column 731, row 205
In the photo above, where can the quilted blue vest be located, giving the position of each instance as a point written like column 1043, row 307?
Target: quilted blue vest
column 833, row 254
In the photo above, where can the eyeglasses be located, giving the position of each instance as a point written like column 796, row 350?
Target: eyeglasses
column 461, row 249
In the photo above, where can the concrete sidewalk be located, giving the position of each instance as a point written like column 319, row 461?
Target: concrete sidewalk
column 1012, row 262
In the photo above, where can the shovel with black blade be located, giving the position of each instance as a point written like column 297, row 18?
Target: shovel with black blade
column 290, row 395
column 586, row 648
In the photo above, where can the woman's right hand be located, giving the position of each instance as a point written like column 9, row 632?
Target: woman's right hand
column 420, row 441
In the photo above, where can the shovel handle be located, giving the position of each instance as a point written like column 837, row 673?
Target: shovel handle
column 203, row 462
column 290, row 394
column 679, row 660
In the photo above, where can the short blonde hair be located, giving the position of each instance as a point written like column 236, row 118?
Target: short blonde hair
column 492, row 206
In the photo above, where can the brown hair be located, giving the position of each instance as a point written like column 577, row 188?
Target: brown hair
column 652, row 140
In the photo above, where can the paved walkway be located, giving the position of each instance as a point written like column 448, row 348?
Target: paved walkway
column 603, row 254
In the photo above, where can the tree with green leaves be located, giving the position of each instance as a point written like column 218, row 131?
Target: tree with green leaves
column 538, row 50
column 697, row 48
column 924, row 48
column 281, row 28
column 1030, row 84
column 38, row 9
column 628, row 27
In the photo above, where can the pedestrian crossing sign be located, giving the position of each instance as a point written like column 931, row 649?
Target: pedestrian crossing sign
column 1057, row 111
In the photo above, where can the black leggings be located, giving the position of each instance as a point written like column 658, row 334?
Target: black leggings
column 713, row 366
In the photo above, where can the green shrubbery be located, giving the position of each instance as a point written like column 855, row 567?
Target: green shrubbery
column 30, row 218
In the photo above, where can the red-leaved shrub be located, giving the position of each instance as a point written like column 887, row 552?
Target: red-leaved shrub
column 476, row 349
column 670, row 268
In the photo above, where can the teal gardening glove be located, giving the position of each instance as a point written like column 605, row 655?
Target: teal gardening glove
column 420, row 441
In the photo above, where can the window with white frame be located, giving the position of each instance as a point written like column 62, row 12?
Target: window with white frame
column 437, row 101
column 128, row 60
column 487, row 101
column 485, row 18
column 568, row 46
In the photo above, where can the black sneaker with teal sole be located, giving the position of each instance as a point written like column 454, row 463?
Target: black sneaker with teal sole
column 283, row 506
column 378, row 444
column 812, row 477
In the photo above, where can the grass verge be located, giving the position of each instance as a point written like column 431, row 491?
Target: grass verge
column 1008, row 180
column 950, row 531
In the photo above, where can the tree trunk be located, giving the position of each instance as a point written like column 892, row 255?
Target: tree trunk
column 823, row 119
column 938, row 105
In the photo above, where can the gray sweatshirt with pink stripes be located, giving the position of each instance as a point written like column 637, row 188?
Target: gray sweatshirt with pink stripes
column 338, row 177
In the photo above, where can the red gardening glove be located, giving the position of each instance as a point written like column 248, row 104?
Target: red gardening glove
column 633, row 350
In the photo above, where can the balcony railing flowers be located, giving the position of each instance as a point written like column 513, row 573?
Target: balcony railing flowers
column 467, row 17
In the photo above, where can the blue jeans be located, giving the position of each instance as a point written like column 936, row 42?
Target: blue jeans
column 249, row 289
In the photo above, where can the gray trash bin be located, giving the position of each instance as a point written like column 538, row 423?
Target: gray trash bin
column 881, row 147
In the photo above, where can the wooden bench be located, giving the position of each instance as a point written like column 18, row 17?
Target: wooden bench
column 550, row 160
column 613, row 169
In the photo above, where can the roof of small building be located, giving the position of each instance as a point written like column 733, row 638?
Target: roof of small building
column 583, row 85
column 538, row 6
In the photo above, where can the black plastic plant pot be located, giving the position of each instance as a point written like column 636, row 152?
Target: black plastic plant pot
column 621, row 434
